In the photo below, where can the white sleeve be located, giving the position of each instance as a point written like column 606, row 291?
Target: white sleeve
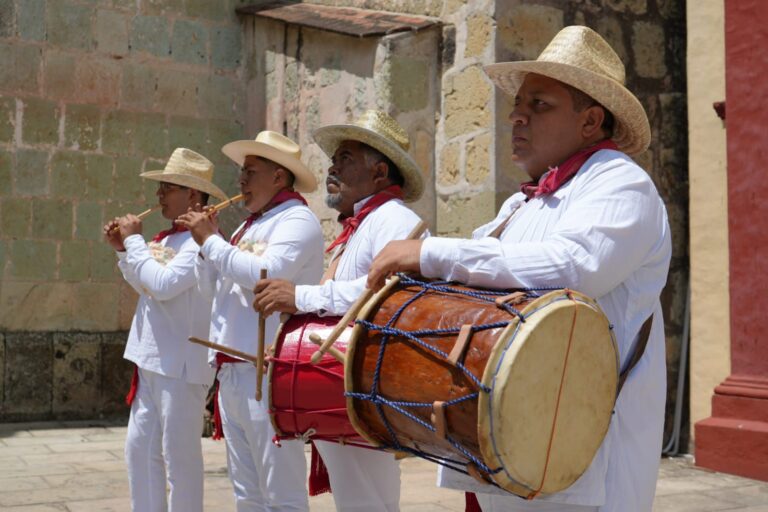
column 611, row 225
column 128, row 274
column 206, row 275
column 158, row 281
column 331, row 298
column 287, row 252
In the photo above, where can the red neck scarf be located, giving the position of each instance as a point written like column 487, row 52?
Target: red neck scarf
column 278, row 199
column 556, row 177
column 174, row 229
column 350, row 224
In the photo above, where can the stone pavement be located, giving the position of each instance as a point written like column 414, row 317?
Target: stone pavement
column 78, row 467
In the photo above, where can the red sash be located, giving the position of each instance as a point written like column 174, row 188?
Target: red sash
column 350, row 224
column 279, row 198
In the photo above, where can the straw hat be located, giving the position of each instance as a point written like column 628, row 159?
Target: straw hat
column 279, row 149
column 188, row 169
column 579, row 57
column 381, row 132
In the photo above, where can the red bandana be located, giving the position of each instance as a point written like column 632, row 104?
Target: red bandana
column 174, row 229
column 350, row 224
column 557, row 176
column 279, row 198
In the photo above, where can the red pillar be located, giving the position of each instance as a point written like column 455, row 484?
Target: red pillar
column 735, row 438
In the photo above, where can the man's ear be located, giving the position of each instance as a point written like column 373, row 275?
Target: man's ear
column 593, row 121
column 380, row 172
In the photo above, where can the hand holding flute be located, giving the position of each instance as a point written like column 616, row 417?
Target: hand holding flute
column 203, row 223
column 116, row 230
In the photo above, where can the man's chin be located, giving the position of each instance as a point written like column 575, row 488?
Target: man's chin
column 333, row 201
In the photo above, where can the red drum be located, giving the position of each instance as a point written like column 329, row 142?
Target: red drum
column 307, row 400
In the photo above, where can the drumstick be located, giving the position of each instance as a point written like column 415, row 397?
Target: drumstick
column 260, row 353
column 317, row 340
column 355, row 308
column 224, row 204
column 226, row 350
column 140, row 216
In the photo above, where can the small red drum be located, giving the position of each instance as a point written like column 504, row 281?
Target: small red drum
column 307, row 400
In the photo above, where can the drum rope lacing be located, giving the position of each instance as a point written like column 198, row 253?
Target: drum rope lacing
column 387, row 331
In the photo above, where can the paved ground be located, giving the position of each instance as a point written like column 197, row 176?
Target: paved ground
column 77, row 467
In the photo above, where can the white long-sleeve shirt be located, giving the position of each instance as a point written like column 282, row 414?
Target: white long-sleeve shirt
column 293, row 250
column 604, row 233
column 390, row 221
column 170, row 309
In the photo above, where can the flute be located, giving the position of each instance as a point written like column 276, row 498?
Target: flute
column 224, row 204
column 140, row 216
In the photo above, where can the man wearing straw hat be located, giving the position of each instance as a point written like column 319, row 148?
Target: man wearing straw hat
column 172, row 376
column 590, row 219
column 283, row 237
column 370, row 178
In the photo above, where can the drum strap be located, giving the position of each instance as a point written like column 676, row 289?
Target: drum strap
column 637, row 353
column 498, row 230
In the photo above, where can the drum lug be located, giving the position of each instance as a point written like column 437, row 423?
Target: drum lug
column 438, row 419
column 513, row 299
column 460, row 347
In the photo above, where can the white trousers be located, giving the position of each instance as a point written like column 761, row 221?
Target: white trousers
column 362, row 480
column 265, row 477
column 498, row 503
column 163, row 440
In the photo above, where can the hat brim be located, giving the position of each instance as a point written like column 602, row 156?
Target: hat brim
column 632, row 132
column 186, row 180
column 305, row 180
column 329, row 138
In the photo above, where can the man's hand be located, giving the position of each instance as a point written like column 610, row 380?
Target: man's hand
column 199, row 223
column 112, row 236
column 397, row 256
column 274, row 295
column 129, row 225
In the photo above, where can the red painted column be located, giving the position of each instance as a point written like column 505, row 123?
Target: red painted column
column 735, row 438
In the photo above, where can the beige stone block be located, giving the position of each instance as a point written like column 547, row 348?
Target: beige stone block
column 459, row 216
column 524, row 31
column 479, row 34
column 648, row 45
column 422, row 150
column 127, row 305
column 611, row 29
column 466, row 101
column 478, row 166
column 449, row 170
column 98, row 81
column 96, row 306
column 30, row 306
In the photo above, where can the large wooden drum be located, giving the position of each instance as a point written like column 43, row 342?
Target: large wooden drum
column 516, row 391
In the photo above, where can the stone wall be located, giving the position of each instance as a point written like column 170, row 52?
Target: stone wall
column 91, row 94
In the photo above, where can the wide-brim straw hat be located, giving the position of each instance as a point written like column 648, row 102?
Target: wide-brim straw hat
column 579, row 57
column 279, row 149
column 188, row 169
column 381, row 132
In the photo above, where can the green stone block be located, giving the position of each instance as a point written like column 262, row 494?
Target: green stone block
column 162, row 7
column 98, row 176
column 68, row 174
column 216, row 96
column 82, row 124
column 150, row 34
column 7, row 118
column 221, row 132
column 7, row 15
column 410, row 83
column 3, row 251
column 40, row 122
column 20, row 67
column 129, row 186
column 151, row 137
column 187, row 132
column 103, row 262
column 226, row 47
column 88, row 220
column 208, row 10
column 74, row 261
column 190, row 42
column 52, row 218
column 177, row 92
column 6, row 174
column 15, row 216
column 59, row 74
column 31, row 20
column 32, row 259
column 118, row 133
column 71, row 25
column 138, row 86
column 112, row 32
column 31, row 172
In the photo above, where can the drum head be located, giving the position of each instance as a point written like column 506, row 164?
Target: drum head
column 553, row 382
